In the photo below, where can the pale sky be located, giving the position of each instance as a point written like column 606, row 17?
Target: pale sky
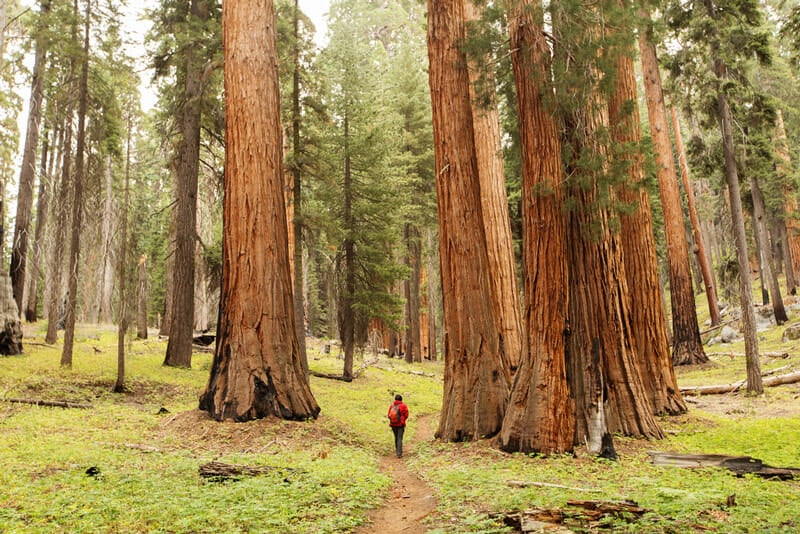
column 316, row 11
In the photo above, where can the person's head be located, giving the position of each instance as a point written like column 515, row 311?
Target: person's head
column 398, row 397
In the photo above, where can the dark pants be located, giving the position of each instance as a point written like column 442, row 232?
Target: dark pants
column 398, row 439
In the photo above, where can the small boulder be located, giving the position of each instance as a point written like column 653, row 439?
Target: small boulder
column 791, row 333
column 728, row 334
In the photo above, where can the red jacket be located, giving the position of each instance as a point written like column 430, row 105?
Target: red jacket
column 403, row 413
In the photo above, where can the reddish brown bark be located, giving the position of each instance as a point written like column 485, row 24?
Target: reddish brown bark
column 687, row 347
column 256, row 371
column 700, row 248
column 475, row 386
column 494, row 205
column 648, row 320
column 540, row 415
column 790, row 217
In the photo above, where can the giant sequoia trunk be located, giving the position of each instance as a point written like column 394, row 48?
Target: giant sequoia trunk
column 27, row 173
column 256, row 371
column 541, row 414
column 475, row 385
column 687, row 347
column 179, row 347
column 648, row 320
column 494, row 205
column 604, row 373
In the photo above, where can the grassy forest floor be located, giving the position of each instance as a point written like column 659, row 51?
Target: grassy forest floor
column 129, row 462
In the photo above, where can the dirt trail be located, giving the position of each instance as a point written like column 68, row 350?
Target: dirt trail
column 410, row 499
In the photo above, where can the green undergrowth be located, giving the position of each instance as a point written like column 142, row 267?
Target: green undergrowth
column 130, row 463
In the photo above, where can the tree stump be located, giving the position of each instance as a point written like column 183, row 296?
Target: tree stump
column 10, row 326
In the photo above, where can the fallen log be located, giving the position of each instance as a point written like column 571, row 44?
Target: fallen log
column 741, row 465
column 330, row 376
column 779, row 380
column 526, row 484
column 222, row 471
column 53, row 404
column 780, row 355
column 543, row 519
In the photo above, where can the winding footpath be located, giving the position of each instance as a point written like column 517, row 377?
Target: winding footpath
column 410, row 500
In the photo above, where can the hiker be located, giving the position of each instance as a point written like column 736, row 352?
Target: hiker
column 398, row 413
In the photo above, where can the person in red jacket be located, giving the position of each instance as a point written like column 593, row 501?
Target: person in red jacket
column 398, row 413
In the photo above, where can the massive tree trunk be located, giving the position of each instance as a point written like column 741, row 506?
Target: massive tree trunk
column 179, row 347
column 77, row 196
column 413, row 347
column 648, row 320
column 700, row 248
column 27, row 173
column 720, row 72
column 603, row 365
column 687, row 347
column 42, row 213
column 494, row 204
column 475, row 385
column 541, row 414
column 765, row 251
column 256, row 371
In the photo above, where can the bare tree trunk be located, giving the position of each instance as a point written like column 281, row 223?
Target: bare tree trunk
column 42, row 212
column 122, row 270
column 56, row 303
column 347, row 322
column 169, row 282
column 475, row 384
column 179, row 347
column 791, row 248
column 27, row 174
column 141, row 301
column 105, row 314
column 765, row 251
column 413, row 348
column 687, row 348
column 256, row 370
column 648, row 320
column 494, row 205
column 541, row 413
column 433, row 297
column 297, row 197
column 77, row 197
column 700, row 248
column 754, row 382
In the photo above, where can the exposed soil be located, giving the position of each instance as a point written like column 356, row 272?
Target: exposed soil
column 410, row 500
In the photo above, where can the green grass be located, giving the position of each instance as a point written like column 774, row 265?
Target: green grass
column 328, row 475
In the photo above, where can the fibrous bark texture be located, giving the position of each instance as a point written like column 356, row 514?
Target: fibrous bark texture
column 494, row 205
column 541, row 414
column 475, row 384
column 256, row 371
column 648, row 319
column 687, row 347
